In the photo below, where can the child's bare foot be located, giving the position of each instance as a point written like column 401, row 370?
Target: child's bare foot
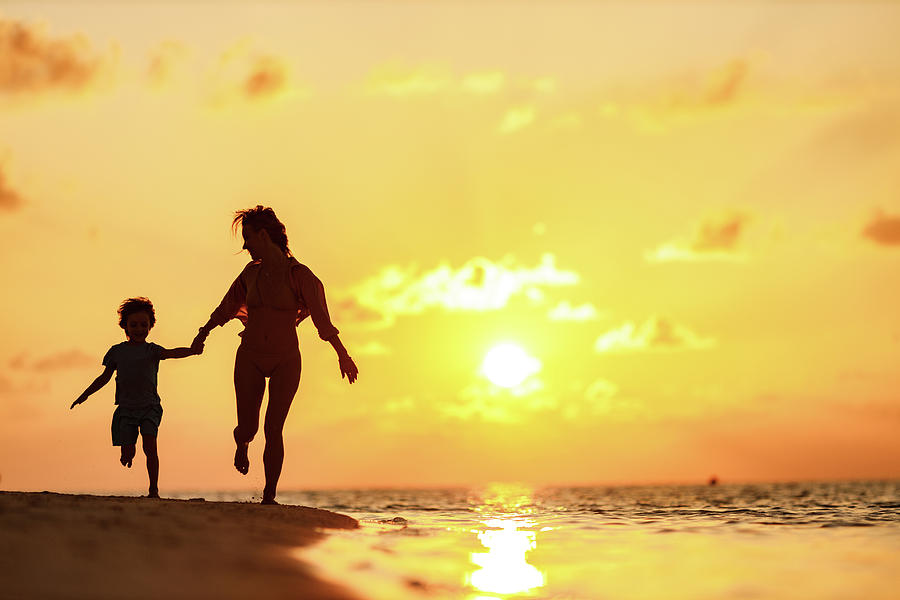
column 127, row 456
column 268, row 496
column 153, row 493
column 241, row 460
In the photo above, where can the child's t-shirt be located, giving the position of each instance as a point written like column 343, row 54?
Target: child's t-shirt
column 136, row 367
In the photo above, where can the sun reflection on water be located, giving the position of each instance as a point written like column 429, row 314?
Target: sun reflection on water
column 508, row 543
column 504, row 568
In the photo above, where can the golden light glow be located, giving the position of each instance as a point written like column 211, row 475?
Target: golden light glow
column 508, row 365
column 504, row 569
column 666, row 286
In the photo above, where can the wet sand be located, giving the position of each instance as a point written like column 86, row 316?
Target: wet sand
column 79, row 546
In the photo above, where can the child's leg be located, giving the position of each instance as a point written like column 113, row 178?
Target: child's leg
column 128, row 451
column 149, row 442
column 124, row 434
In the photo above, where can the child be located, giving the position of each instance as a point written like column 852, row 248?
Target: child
column 136, row 363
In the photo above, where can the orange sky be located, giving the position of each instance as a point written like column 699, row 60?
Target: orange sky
column 688, row 215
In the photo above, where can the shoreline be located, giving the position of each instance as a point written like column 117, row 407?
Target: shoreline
column 85, row 546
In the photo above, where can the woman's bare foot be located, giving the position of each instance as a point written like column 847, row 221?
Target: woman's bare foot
column 241, row 460
column 153, row 493
column 268, row 501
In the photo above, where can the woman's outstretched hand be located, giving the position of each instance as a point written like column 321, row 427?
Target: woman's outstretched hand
column 348, row 368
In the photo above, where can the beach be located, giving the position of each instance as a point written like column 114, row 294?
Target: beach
column 82, row 546
column 505, row 541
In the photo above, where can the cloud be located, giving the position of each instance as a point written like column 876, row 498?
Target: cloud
column 266, row 77
column 478, row 285
column 656, row 333
column 401, row 404
column 489, row 82
column 602, row 398
column 163, row 62
column 566, row 121
column 391, row 80
column 372, row 348
column 861, row 136
column 517, row 118
column 421, row 81
column 67, row 359
column 544, row 85
column 32, row 62
column 601, row 389
column 726, row 82
column 19, row 400
column 350, row 310
column 883, row 229
column 10, row 199
column 564, row 311
column 245, row 74
column 492, row 403
column 716, row 238
column 691, row 95
column 716, row 88
column 721, row 235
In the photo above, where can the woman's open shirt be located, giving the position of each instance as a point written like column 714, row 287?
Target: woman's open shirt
column 307, row 288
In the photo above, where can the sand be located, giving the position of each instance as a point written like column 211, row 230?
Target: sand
column 97, row 547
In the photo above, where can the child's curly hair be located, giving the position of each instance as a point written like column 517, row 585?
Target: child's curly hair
column 136, row 305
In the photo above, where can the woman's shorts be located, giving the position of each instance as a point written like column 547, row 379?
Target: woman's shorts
column 127, row 420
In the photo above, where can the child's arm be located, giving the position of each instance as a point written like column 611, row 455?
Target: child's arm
column 195, row 349
column 98, row 383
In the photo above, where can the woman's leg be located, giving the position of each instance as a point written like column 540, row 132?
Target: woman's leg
column 249, row 386
column 282, row 386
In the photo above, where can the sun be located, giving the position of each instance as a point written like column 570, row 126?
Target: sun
column 508, row 365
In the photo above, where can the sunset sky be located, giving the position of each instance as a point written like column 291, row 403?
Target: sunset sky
column 685, row 216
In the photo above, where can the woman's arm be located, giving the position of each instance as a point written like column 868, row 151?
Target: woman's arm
column 229, row 308
column 314, row 296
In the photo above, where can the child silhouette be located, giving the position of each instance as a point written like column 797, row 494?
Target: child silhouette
column 136, row 362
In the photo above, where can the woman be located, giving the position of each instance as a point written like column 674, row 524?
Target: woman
column 271, row 296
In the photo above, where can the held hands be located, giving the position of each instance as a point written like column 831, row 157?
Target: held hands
column 348, row 368
column 197, row 344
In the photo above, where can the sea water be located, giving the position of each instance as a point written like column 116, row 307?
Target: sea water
column 837, row 540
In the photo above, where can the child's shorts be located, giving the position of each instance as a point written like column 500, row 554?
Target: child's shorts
column 127, row 420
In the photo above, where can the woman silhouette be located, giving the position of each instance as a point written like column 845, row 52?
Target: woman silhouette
column 271, row 296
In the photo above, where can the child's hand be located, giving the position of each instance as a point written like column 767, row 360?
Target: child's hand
column 197, row 346
column 78, row 401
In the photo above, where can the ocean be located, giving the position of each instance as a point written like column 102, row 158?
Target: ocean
column 834, row 540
